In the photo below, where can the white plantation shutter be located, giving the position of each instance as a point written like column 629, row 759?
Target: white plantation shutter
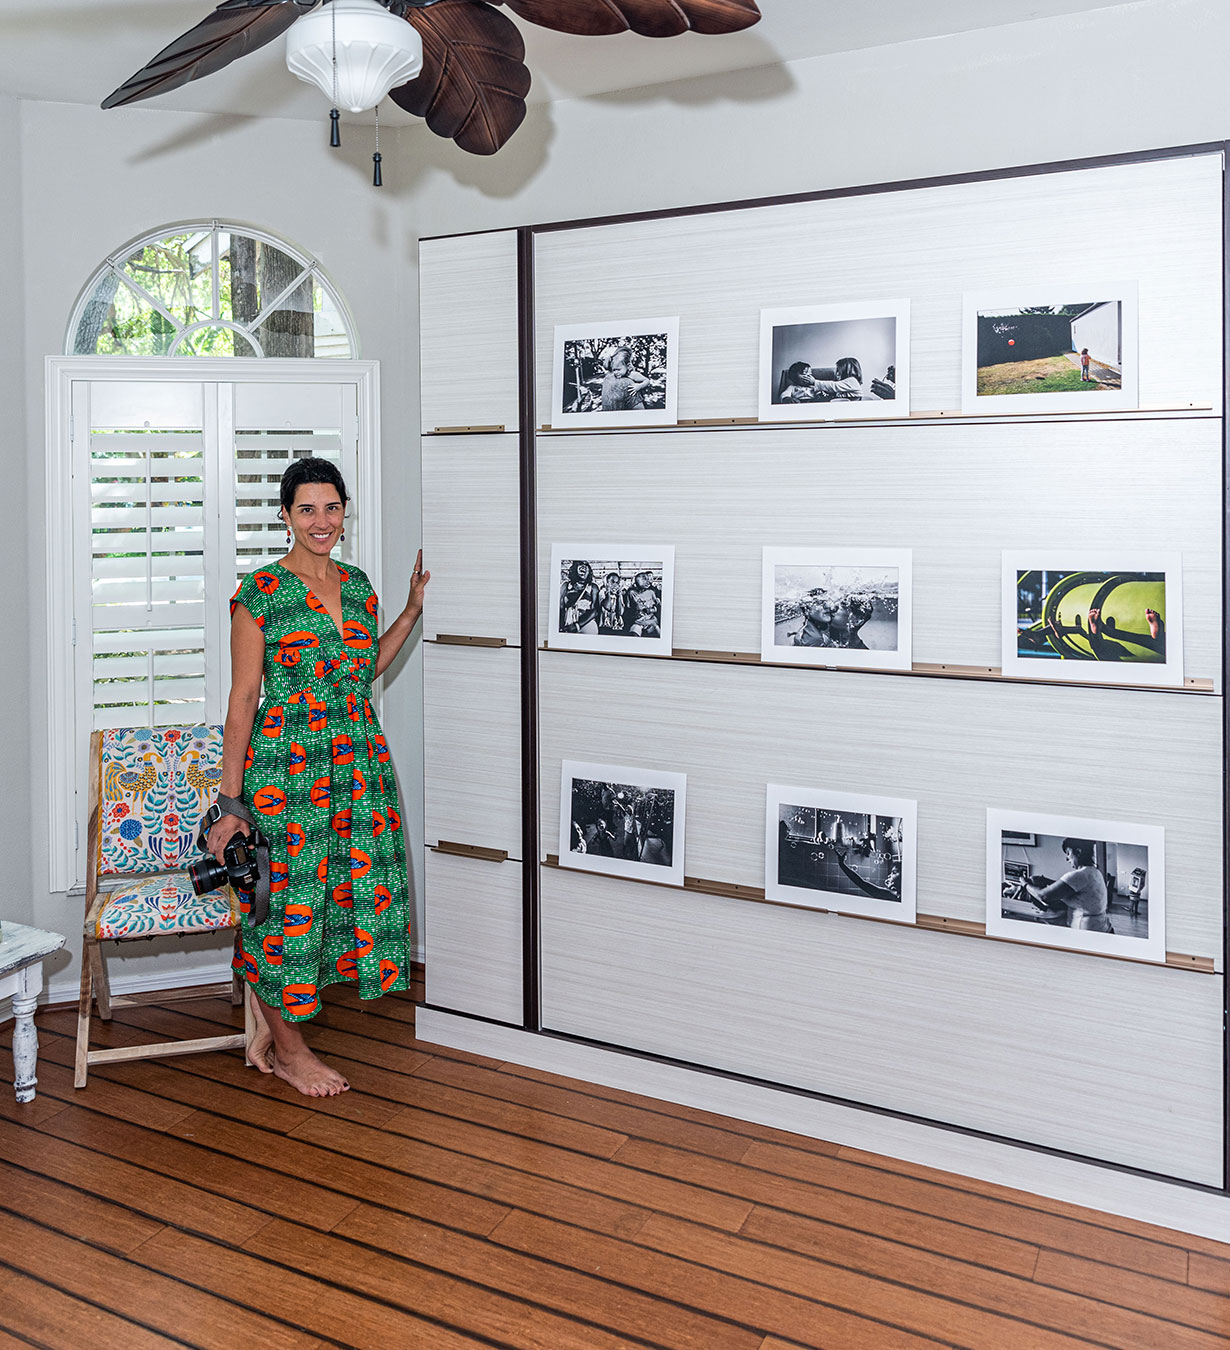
column 273, row 425
column 178, row 511
column 261, row 458
column 162, row 490
column 147, row 577
column 171, row 496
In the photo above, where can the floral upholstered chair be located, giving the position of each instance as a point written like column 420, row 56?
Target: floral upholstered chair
column 149, row 789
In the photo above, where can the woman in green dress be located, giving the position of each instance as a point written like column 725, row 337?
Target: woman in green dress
column 311, row 764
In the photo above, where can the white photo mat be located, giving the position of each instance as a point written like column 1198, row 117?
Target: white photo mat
column 841, row 319
column 598, row 555
column 624, row 776
column 839, row 902
column 1127, row 396
column 1168, row 673
column 898, row 657
column 616, row 331
column 1027, row 824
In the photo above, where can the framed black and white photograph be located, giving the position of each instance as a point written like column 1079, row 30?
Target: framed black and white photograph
column 623, row 822
column 841, row 851
column 621, row 373
column 1039, row 351
column 612, row 598
column 1067, row 881
column 827, row 607
column 1114, row 619
column 833, row 361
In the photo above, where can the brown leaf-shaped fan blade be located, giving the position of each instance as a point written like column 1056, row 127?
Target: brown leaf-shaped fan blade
column 650, row 18
column 474, row 81
column 233, row 30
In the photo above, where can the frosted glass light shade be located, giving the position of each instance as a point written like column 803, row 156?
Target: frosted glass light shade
column 376, row 51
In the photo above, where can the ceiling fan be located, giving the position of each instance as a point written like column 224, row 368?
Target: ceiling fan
column 473, row 81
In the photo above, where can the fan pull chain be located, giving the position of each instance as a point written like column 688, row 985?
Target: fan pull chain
column 377, row 180
column 335, row 117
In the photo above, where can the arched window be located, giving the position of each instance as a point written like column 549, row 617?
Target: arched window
column 209, row 290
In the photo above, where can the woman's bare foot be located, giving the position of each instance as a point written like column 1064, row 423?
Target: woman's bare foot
column 260, row 1047
column 307, row 1074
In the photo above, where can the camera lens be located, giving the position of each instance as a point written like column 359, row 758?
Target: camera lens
column 207, row 875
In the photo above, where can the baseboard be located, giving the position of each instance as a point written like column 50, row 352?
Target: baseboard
column 1145, row 1199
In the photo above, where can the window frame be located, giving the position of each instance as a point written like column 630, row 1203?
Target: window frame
column 68, row 722
column 115, row 260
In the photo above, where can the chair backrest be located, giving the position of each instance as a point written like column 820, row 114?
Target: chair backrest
column 153, row 787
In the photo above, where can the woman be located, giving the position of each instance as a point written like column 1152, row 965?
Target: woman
column 1081, row 890
column 312, row 766
column 578, row 599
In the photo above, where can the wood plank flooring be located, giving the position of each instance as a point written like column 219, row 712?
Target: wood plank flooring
column 449, row 1200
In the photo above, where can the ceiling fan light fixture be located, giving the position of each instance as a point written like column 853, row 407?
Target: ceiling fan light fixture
column 376, row 51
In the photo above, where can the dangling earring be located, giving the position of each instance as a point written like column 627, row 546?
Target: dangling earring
column 288, row 536
column 343, row 536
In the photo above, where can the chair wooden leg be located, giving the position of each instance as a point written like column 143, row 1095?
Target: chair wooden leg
column 81, row 1064
column 102, row 985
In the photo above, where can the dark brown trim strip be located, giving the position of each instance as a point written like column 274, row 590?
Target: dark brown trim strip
column 530, row 916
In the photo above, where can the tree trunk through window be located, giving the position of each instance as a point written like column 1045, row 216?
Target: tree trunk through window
column 96, row 317
column 244, row 295
column 291, row 330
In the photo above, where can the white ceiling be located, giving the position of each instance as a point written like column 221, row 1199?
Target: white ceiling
column 77, row 51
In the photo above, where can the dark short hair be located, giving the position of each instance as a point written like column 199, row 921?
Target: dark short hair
column 310, row 469
column 574, row 571
column 1081, row 848
column 847, row 366
column 799, row 368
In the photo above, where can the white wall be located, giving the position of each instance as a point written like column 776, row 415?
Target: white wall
column 1118, row 79
column 21, row 571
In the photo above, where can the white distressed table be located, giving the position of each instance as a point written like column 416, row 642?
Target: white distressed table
column 21, row 975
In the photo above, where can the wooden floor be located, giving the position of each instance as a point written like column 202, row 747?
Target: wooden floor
column 453, row 1201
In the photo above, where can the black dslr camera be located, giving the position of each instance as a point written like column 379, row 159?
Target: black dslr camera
column 240, row 864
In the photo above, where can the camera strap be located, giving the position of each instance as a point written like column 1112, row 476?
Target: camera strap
column 233, row 806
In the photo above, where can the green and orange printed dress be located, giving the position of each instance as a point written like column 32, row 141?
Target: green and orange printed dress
column 319, row 782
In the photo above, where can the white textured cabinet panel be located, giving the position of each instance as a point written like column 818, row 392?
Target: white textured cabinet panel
column 956, row 746
column 473, row 932
column 468, row 330
column 1100, row 1058
column 472, row 536
column 956, row 495
column 472, row 746
column 1157, row 223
